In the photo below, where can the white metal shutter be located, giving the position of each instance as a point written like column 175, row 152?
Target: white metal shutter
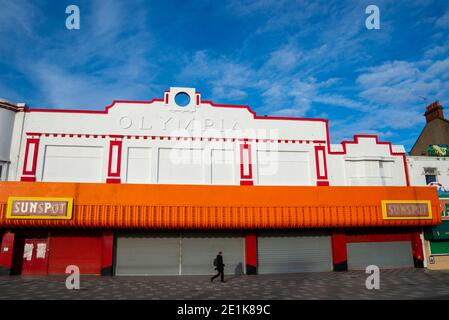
column 147, row 254
column 199, row 251
column 387, row 255
column 290, row 253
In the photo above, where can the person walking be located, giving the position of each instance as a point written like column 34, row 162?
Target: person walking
column 219, row 266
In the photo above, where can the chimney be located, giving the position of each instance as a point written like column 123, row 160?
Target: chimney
column 434, row 111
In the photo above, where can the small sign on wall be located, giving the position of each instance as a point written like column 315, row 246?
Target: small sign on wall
column 39, row 208
column 432, row 260
column 406, row 209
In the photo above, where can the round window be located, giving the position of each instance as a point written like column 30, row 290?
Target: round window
column 182, row 99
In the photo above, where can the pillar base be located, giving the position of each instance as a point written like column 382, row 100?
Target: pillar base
column 341, row 266
column 251, row 270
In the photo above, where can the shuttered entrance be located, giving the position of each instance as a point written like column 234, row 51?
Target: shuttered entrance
column 198, row 252
column 146, row 254
column 387, row 255
column 177, row 254
column 290, row 253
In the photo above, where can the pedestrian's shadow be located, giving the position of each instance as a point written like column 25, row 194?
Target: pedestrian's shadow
column 238, row 272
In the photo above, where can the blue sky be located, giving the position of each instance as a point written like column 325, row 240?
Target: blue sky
column 290, row 58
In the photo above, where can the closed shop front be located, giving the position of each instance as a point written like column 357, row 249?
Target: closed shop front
column 147, row 253
column 437, row 245
column 82, row 249
column 290, row 252
column 385, row 255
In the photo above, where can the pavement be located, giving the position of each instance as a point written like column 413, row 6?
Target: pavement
column 394, row 284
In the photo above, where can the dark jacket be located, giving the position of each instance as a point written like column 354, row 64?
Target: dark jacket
column 220, row 264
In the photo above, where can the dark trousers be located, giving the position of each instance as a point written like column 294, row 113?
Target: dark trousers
column 220, row 272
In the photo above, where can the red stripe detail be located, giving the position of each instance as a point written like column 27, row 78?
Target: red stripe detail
column 29, row 142
column 321, row 150
column 242, row 163
column 246, row 183
column 251, row 250
column 113, row 180
column 116, row 174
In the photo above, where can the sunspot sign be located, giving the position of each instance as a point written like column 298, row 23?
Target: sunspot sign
column 39, row 208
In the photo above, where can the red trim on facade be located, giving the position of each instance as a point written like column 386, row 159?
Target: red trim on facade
column 246, row 183
column 322, row 183
column 322, row 150
column 417, row 249
column 242, row 162
column 255, row 116
column 339, row 252
column 105, row 111
column 251, row 253
column 356, row 141
column 113, row 180
column 114, row 169
column 28, row 179
column 30, row 174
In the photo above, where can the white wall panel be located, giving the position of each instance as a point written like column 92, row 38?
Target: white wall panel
column 139, row 165
column 73, row 164
column 181, row 166
column 223, row 167
column 283, row 168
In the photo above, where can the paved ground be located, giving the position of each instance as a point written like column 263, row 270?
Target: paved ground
column 394, row 284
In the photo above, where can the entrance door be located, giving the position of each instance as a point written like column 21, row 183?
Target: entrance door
column 35, row 257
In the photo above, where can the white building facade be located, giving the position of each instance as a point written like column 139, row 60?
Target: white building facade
column 272, row 192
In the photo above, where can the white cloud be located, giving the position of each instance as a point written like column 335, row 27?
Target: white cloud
column 443, row 21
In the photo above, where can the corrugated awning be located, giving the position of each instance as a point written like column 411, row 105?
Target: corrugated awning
column 125, row 206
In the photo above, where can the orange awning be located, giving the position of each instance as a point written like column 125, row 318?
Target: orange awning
column 125, row 206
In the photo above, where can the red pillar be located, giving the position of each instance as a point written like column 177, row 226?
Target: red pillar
column 30, row 157
column 322, row 178
column 107, row 253
column 115, row 159
column 246, row 166
column 418, row 254
column 251, row 253
column 6, row 252
column 339, row 253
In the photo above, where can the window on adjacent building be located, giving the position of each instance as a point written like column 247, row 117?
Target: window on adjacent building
column 446, row 212
column 430, row 174
column 3, row 170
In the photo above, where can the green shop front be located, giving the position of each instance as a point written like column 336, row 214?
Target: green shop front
column 437, row 238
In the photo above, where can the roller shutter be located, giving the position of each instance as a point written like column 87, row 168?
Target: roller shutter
column 290, row 253
column 387, row 255
column 147, row 254
column 176, row 253
column 83, row 249
column 198, row 252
